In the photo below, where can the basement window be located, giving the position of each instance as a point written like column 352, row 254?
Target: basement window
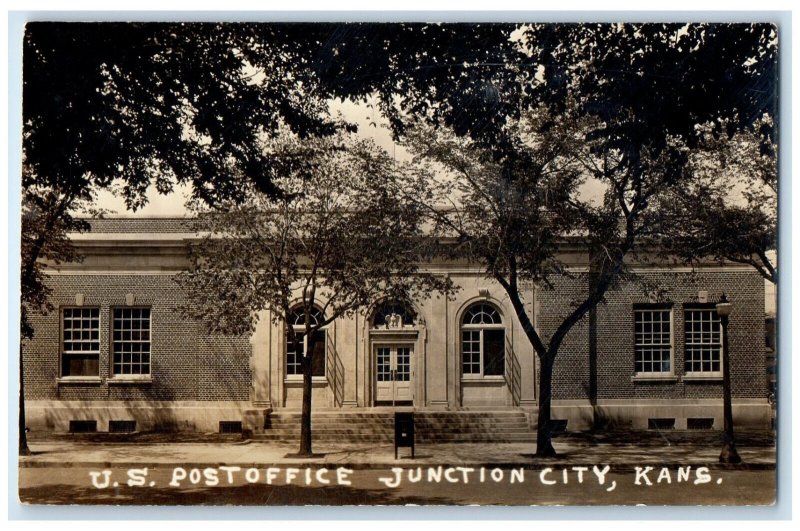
column 83, row 426
column 700, row 423
column 121, row 426
column 660, row 424
column 228, row 426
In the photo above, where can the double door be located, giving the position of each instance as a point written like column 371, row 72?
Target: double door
column 393, row 373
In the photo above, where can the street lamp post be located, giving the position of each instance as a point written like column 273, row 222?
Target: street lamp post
column 729, row 453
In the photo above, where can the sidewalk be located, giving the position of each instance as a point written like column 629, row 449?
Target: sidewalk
column 573, row 449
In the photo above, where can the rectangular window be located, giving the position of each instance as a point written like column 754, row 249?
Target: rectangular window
column 703, row 341
column 653, row 340
column 131, row 341
column 80, row 355
column 293, row 359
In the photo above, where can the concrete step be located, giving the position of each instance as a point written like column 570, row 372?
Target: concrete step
column 420, row 439
column 466, row 426
column 378, row 426
column 417, row 415
column 420, row 432
column 435, row 415
column 390, row 425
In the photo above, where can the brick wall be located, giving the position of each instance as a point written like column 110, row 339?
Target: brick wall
column 613, row 330
column 571, row 371
column 185, row 363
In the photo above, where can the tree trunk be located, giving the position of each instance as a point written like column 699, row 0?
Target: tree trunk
column 25, row 279
column 23, row 435
column 305, row 415
column 544, row 425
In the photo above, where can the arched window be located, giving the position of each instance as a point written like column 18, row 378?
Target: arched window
column 293, row 357
column 482, row 341
column 387, row 309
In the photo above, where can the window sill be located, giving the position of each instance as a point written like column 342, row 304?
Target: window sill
column 488, row 380
column 130, row 380
column 702, row 377
column 91, row 380
column 316, row 381
column 644, row 378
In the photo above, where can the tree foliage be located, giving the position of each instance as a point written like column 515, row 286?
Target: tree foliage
column 155, row 104
column 515, row 219
column 649, row 82
column 161, row 103
column 339, row 238
column 729, row 210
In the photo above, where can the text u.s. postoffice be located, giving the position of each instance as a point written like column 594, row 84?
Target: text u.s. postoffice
column 397, row 476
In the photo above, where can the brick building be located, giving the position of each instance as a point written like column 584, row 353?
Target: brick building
column 116, row 354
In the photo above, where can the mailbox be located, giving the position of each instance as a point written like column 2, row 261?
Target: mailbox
column 403, row 432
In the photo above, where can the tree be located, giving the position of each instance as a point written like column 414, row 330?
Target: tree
column 730, row 211
column 647, row 86
column 639, row 91
column 137, row 105
column 511, row 218
column 156, row 104
column 338, row 238
column 47, row 217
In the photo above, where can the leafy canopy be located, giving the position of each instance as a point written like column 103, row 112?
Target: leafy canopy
column 340, row 236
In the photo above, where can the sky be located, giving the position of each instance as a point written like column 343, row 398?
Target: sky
column 370, row 125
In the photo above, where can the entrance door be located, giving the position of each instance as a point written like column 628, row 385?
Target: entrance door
column 393, row 373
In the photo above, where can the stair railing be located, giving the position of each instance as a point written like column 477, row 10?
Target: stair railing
column 334, row 371
column 513, row 373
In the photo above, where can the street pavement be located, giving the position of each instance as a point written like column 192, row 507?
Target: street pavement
column 756, row 450
column 658, row 469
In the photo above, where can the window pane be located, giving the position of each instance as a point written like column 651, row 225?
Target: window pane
column 80, row 365
column 403, row 364
column 493, row 352
column 298, row 317
column 482, row 347
column 471, row 351
column 481, row 314
column 131, row 344
column 702, row 341
column 293, row 356
column 653, row 341
column 80, row 342
column 318, row 362
column 384, row 364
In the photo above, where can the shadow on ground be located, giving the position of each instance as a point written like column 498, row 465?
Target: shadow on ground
column 241, row 495
column 140, row 437
column 757, row 438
